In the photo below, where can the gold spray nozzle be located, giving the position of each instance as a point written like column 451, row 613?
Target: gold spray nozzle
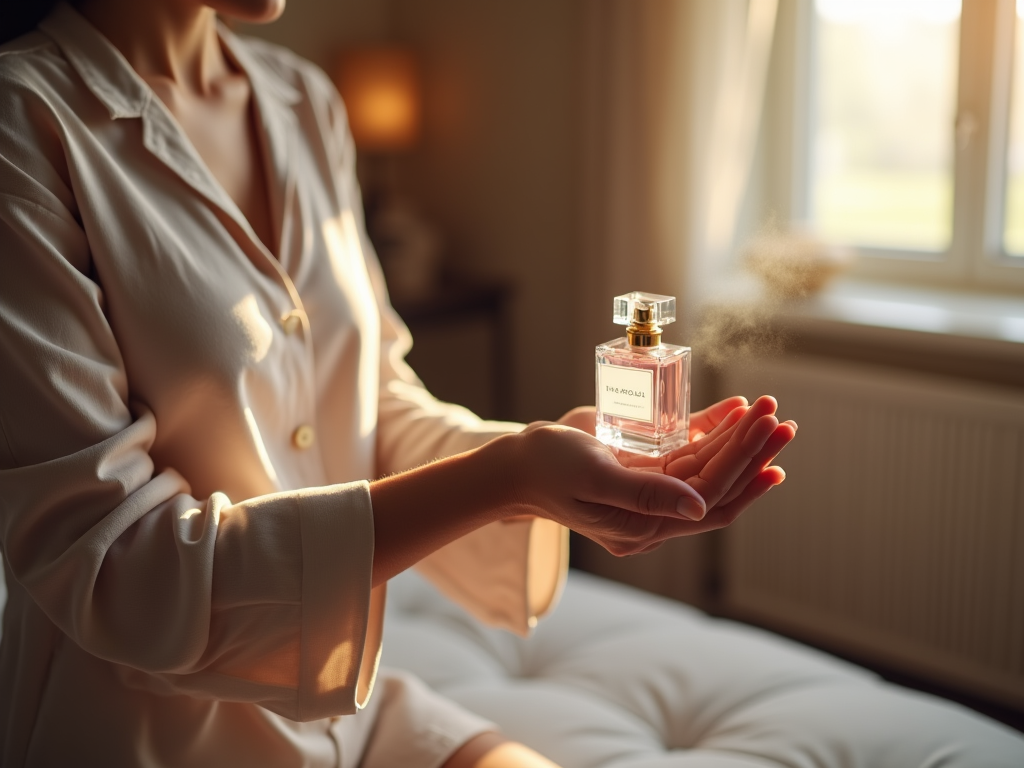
column 641, row 314
column 641, row 332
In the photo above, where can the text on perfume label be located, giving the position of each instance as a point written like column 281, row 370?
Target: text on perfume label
column 626, row 392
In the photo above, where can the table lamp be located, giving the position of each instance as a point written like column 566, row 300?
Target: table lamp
column 380, row 87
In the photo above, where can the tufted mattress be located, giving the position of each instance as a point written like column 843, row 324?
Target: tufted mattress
column 617, row 678
column 620, row 679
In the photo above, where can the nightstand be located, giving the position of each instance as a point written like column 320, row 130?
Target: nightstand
column 462, row 346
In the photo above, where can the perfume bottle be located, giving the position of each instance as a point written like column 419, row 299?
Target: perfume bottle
column 643, row 386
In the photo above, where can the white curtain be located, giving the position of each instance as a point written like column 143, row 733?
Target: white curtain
column 672, row 100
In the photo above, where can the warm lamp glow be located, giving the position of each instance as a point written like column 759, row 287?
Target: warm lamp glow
column 381, row 93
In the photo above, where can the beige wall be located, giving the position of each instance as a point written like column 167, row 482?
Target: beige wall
column 496, row 168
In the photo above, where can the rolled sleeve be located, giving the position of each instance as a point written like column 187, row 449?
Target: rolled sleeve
column 264, row 600
column 340, row 648
column 508, row 575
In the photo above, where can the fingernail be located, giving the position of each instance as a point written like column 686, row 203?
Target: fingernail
column 690, row 508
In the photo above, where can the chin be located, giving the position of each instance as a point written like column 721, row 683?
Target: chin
column 252, row 11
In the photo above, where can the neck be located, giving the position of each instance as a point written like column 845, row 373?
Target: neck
column 175, row 41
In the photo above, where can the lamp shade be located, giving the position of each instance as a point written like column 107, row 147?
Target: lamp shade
column 380, row 88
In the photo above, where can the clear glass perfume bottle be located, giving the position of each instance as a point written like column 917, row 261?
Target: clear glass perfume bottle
column 643, row 386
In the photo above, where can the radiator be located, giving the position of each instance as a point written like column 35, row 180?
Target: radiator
column 898, row 536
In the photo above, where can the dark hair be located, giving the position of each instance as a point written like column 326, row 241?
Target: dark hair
column 21, row 16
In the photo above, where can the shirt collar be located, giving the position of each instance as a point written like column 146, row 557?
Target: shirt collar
column 113, row 81
column 100, row 65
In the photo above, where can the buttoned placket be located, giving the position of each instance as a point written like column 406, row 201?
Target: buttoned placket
column 127, row 96
column 167, row 141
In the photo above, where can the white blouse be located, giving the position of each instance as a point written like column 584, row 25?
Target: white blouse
column 187, row 427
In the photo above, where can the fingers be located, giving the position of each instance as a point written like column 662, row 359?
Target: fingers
column 709, row 418
column 649, row 493
column 535, row 425
column 727, row 421
column 734, row 427
column 618, row 531
column 758, row 435
column 767, row 479
column 730, row 472
column 687, row 461
column 779, row 439
column 724, row 468
column 664, row 463
column 724, row 515
column 689, row 464
column 717, row 518
column 744, row 418
column 582, row 418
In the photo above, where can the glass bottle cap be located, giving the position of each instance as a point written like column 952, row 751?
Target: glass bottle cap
column 663, row 308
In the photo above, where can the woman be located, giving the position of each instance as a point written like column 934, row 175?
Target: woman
column 203, row 381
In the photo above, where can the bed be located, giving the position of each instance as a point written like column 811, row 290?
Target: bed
column 618, row 678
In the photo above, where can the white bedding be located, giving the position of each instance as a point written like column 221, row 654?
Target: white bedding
column 620, row 679
column 617, row 678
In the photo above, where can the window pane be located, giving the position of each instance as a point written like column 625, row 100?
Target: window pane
column 1013, row 231
column 884, row 102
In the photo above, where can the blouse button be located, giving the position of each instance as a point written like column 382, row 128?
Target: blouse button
column 303, row 437
column 291, row 321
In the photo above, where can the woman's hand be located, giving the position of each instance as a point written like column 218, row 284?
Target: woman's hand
column 731, row 461
column 583, row 418
column 564, row 474
column 572, row 478
column 727, row 459
column 549, row 470
column 702, row 422
column 729, row 465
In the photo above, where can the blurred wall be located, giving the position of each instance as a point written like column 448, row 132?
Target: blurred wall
column 496, row 168
column 318, row 29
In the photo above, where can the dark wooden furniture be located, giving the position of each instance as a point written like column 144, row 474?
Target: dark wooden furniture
column 462, row 348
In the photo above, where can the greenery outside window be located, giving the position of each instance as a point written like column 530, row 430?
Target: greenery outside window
column 897, row 127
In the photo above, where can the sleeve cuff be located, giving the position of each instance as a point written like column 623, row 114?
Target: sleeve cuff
column 507, row 575
column 341, row 620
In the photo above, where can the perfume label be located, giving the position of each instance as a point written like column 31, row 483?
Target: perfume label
column 627, row 392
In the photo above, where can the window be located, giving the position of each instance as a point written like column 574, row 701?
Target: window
column 884, row 90
column 908, row 135
column 1013, row 223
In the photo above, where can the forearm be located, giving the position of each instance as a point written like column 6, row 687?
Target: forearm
column 417, row 512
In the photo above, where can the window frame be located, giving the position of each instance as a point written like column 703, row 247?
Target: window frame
column 975, row 257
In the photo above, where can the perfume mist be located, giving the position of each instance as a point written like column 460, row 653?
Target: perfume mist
column 643, row 386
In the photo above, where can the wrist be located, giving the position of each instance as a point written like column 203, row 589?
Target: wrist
column 421, row 510
column 501, row 467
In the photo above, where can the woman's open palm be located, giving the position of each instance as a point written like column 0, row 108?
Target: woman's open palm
column 727, row 461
